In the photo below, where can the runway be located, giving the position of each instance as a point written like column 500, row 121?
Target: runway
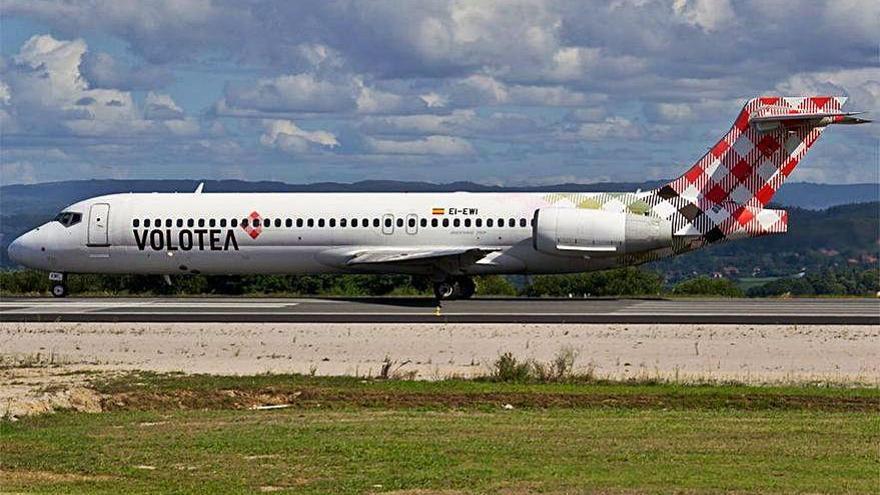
column 424, row 310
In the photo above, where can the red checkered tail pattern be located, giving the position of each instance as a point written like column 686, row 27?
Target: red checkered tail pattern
column 724, row 194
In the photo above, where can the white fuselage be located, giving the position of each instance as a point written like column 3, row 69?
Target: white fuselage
column 170, row 233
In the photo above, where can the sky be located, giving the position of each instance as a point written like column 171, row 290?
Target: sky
column 501, row 93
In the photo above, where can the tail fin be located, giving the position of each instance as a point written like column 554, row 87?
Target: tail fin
column 724, row 194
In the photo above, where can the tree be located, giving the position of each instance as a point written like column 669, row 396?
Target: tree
column 494, row 285
column 706, row 286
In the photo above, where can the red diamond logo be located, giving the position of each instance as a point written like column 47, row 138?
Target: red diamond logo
column 253, row 225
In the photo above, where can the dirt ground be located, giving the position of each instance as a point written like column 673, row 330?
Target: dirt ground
column 45, row 366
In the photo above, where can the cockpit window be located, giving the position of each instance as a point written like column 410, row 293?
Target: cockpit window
column 68, row 218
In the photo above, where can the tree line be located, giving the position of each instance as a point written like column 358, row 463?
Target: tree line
column 630, row 281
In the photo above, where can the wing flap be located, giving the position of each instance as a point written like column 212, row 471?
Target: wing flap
column 467, row 255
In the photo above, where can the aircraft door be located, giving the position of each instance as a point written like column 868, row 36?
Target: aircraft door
column 412, row 224
column 99, row 220
column 388, row 224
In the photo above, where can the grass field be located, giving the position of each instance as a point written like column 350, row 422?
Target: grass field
column 200, row 434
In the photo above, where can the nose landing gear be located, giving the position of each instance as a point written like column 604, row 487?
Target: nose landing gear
column 454, row 288
column 59, row 287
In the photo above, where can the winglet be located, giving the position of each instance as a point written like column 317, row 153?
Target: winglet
column 199, row 188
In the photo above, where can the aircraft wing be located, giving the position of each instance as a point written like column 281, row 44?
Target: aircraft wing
column 459, row 255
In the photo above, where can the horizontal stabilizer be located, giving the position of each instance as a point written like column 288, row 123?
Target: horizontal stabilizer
column 815, row 112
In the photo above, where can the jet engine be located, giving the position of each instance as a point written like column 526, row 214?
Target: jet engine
column 597, row 233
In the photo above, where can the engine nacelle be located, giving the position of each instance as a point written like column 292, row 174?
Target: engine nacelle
column 597, row 233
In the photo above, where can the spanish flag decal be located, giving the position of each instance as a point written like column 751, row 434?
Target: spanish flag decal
column 437, row 211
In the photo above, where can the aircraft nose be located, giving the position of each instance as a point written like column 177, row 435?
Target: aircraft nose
column 16, row 251
column 25, row 249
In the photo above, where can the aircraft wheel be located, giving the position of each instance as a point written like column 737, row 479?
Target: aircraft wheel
column 466, row 287
column 59, row 290
column 445, row 290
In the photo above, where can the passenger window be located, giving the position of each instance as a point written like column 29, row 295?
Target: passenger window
column 332, row 222
column 311, row 222
column 201, row 222
column 299, row 222
column 400, row 222
column 354, row 222
column 467, row 222
column 343, row 222
column 423, row 223
column 168, row 222
column 320, row 222
column 478, row 222
column 233, row 222
column 267, row 223
column 446, row 222
column 522, row 222
column 532, row 223
column 212, row 222
column 288, row 223
column 190, row 222
column 511, row 223
column 157, row 223
column 388, row 222
column 500, row 222
column 222, row 222
column 179, row 223
column 456, row 222
column 411, row 222
column 376, row 222
column 490, row 222
column 136, row 223
column 434, row 222
column 147, row 222
column 277, row 222
column 366, row 222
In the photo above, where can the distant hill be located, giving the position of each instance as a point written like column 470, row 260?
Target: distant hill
column 837, row 237
column 23, row 206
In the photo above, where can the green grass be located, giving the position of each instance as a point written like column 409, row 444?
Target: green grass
column 345, row 435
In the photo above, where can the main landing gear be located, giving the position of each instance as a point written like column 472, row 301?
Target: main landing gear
column 454, row 288
column 59, row 287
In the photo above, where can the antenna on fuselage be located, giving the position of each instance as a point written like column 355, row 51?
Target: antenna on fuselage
column 199, row 188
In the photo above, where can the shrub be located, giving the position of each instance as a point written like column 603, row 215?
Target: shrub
column 508, row 369
column 494, row 285
column 705, row 286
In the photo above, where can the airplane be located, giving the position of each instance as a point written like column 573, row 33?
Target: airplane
column 449, row 237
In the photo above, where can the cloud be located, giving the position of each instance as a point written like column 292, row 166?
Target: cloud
column 158, row 106
column 103, row 71
column 430, row 145
column 611, row 127
column 464, row 123
column 540, row 85
column 48, row 95
column 310, row 93
column 708, row 15
column 286, row 136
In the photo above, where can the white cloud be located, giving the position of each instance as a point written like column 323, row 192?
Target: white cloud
column 463, row 123
column 430, row 145
column 612, row 127
column 101, row 70
column 292, row 93
column 310, row 93
column 48, row 94
column 708, row 15
column 394, row 71
column 286, row 136
column 159, row 106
